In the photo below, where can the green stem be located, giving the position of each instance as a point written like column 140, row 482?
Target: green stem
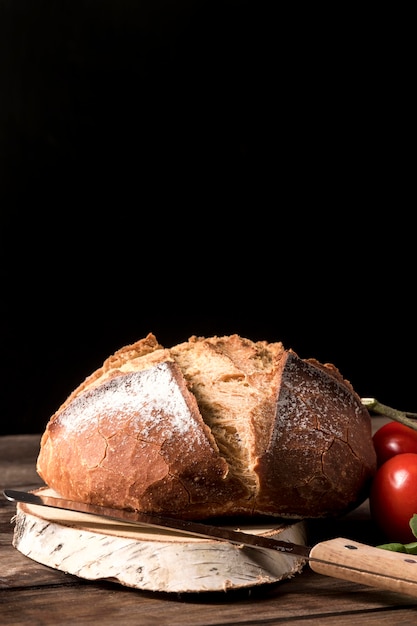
column 408, row 419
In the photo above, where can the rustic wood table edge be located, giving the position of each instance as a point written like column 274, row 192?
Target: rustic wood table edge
column 31, row 593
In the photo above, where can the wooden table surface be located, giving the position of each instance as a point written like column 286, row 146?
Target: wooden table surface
column 31, row 593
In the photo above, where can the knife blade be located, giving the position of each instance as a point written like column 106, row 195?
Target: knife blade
column 340, row 558
column 195, row 529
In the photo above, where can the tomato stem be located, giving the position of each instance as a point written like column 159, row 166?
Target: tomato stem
column 408, row 419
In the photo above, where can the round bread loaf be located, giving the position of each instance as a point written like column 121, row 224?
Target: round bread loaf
column 217, row 426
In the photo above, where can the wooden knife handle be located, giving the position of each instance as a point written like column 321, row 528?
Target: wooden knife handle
column 360, row 563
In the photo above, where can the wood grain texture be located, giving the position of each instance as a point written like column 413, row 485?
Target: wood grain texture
column 31, row 593
column 369, row 565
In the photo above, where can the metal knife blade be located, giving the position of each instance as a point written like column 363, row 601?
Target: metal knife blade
column 339, row 558
column 196, row 529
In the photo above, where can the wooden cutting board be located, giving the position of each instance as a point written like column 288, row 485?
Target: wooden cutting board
column 96, row 548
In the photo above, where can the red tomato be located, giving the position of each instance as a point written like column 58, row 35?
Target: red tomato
column 394, row 438
column 393, row 497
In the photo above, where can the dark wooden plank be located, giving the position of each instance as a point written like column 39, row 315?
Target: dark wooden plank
column 18, row 456
column 305, row 596
column 32, row 593
column 306, row 599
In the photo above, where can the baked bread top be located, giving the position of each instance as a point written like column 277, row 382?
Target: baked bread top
column 217, row 426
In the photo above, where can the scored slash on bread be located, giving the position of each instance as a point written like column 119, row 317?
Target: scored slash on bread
column 217, row 426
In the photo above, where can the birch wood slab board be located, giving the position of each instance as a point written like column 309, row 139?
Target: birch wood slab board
column 95, row 548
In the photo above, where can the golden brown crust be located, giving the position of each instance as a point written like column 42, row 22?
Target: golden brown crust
column 137, row 440
column 212, row 427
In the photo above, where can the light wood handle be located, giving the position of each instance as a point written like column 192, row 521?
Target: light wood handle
column 360, row 563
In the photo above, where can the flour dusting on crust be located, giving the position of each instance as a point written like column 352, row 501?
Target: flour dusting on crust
column 141, row 399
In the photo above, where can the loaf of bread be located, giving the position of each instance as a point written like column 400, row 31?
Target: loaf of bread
column 217, row 426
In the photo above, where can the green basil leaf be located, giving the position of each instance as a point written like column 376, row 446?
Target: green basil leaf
column 413, row 524
column 394, row 547
column 411, row 548
column 407, row 548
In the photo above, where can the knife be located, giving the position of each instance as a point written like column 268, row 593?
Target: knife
column 339, row 558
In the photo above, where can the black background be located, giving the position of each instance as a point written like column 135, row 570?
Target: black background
column 203, row 168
